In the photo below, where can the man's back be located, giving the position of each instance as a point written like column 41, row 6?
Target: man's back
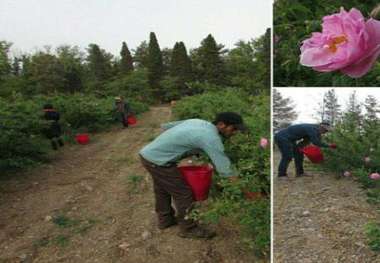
column 176, row 141
column 299, row 131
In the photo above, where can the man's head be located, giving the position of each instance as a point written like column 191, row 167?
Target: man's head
column 118, row 99
column 228, row 123
column 48, row 106
column 324, row 127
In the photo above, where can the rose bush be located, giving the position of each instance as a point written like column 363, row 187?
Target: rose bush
column 246, row 202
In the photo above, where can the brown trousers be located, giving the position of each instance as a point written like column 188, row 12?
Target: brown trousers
column 167, row 183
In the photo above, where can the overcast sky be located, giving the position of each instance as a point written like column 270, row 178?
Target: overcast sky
column 306, row 99
column 32, row 24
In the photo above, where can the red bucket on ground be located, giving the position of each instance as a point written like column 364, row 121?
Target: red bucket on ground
column 199, row 178
column 313, row 153
column 82, row 138
column 131, row 120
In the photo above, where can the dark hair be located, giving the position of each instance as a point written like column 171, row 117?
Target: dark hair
column 48, row 106
column 230, row 118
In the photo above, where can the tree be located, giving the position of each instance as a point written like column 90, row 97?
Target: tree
column 16, row 70
column 5, row 66
column 126, row 61
column 46, row 72
column 155, row 65
column 208, row 61
column 240, row 66
column 283, row 111
column 140, row 57
column 166, row 59
column 180, row 67
column 72, row 60
column 262, row 60
column 353, row 115
column 372, row 109
column 99, row 63
column 330, row 109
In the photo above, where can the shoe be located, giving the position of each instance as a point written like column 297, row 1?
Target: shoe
column 197, row 232
column 168, row 224
column 283, row 177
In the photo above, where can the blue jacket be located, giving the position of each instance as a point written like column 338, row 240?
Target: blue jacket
column 308, row 132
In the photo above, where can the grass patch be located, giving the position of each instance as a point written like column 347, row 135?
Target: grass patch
column 61, row 240
column 68, row 228
column 134, row 181
column 372, row 231
column 127, row 160
column 65, row 222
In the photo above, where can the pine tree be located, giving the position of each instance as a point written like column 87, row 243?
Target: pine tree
column 141, row 55
column 155, row 66
column 16, row 70
column 262, row 60
column 372, row 108
column 211, row 65
column 71, row 59
column 99, row 63
column 180, row 66
column 47, row 72
column 330, row 109
column 353, row 115
column 126, row 61
column 5, row 66
column 283, row 111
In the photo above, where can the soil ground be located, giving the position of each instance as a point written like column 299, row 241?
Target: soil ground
column 320, row 219
column 94, row 203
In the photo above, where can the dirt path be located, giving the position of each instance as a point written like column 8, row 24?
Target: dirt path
column 321, row 219
column 94, row 203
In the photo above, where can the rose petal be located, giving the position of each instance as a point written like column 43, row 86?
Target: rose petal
column 361, row 67
column 314, row 57
column 373, row 29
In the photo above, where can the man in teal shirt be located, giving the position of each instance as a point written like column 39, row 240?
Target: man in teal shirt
column 179, row 140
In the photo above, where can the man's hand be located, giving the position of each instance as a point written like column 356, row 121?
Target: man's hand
column 332, row 146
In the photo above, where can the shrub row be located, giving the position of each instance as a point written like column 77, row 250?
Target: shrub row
column 21, row 123
column 251, row 161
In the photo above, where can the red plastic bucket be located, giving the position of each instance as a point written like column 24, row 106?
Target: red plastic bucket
column 82, row 138
column 313, row 153
column 131, row 120
column 199, row 178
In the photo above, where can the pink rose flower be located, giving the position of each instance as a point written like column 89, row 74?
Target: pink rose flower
column 347, row 43
column 374, row 176
column 263, row 142
column 347, row 174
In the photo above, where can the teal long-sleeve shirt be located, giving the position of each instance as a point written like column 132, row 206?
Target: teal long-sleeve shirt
column 182, row 137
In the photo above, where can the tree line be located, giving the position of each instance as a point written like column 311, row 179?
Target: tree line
column 357, row 113
column 146, row 71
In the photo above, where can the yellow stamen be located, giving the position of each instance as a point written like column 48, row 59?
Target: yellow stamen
column 336, row 41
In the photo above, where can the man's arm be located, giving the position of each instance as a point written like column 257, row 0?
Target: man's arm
column 215, row 150
column 315, row 138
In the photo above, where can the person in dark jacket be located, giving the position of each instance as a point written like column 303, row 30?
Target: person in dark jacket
column 294, row 137
column 53, row 132
column 123, row 110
